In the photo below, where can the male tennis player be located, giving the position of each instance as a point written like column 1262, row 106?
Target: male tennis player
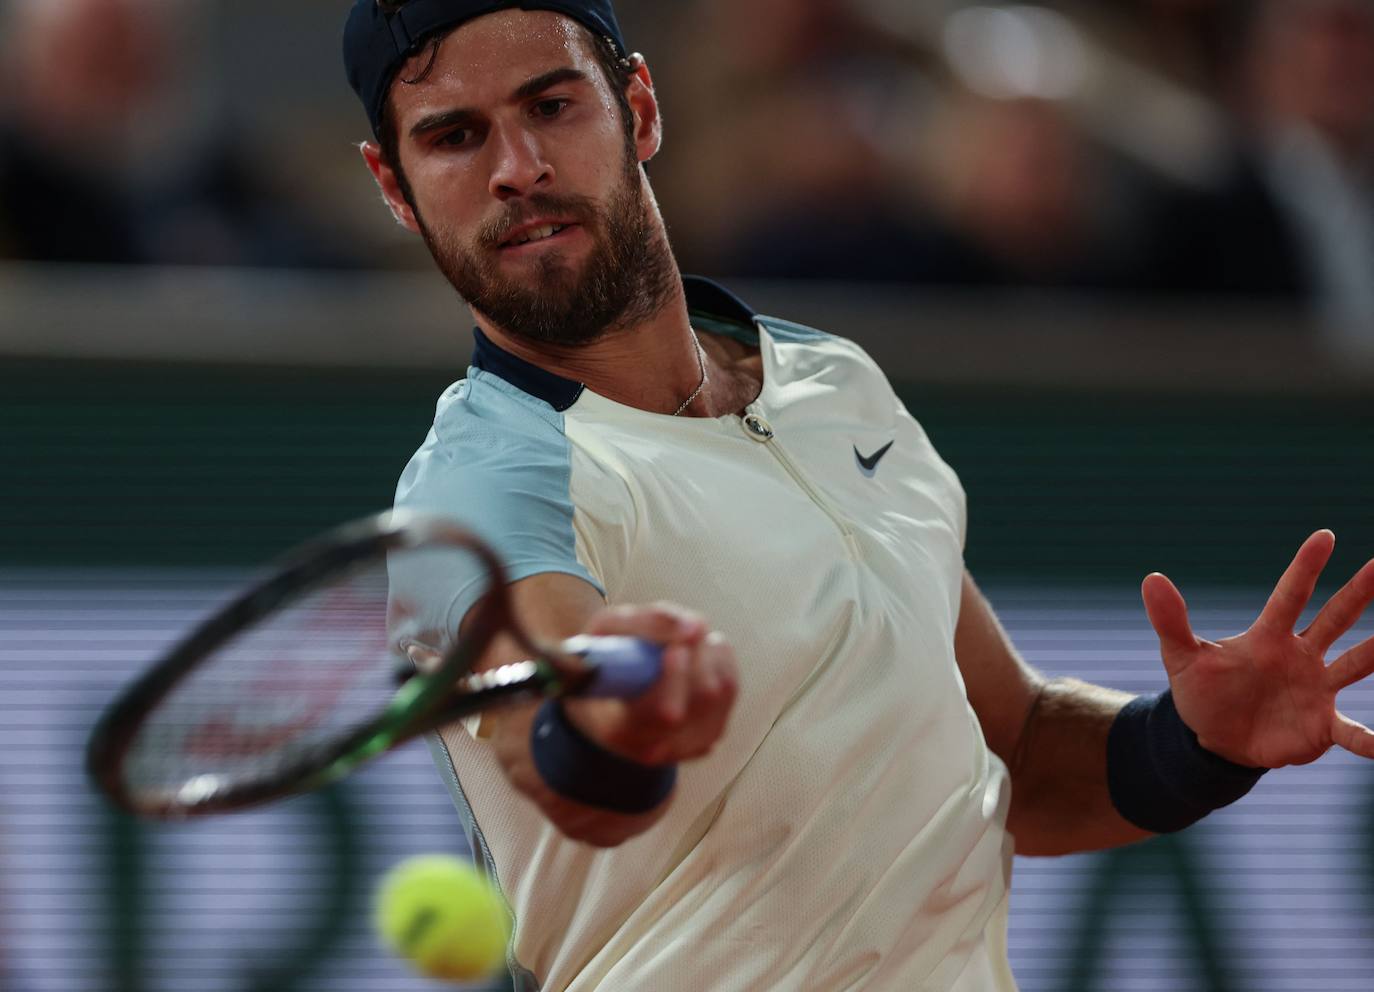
column 627, row 437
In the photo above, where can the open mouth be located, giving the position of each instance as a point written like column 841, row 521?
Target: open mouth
column 535, row 234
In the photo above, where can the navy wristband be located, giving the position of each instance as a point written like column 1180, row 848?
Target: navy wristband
column 581, row 770
column 1160, row 778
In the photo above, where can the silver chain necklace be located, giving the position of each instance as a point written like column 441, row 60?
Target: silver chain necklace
column 701, row 360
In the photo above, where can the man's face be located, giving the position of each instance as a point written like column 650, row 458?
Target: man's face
column 525, row 184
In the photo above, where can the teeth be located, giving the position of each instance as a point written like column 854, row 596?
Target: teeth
column 537, row 234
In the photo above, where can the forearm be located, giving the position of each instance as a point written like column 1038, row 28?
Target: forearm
column 1060, row 798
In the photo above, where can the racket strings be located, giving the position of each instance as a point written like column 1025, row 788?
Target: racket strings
column 287, row 684
column 286, row 692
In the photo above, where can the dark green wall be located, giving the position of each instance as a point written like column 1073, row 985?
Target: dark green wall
column 107, row 463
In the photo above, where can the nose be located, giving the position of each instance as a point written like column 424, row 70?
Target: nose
column 519, row 166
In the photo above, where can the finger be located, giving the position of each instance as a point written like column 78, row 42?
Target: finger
column 713, row 697
column 1168, row 615
column 1342, row 610
column 705, row 681
column 715, row 667
column 1352, row 666
column 670, row 693
column 661, row 623
column 1295, row 586
column 1354, row 737
column 727, row 671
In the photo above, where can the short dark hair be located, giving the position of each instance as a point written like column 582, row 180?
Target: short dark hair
column 616, row 68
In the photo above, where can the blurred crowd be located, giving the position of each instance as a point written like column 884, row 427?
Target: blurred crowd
column 1177, row 148
column 113, row 149
column 1165, row 147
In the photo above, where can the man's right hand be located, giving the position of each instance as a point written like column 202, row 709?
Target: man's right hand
column 686, row 711
column 680, row 718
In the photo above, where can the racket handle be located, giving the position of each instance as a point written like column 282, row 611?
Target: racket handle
column 625, row 666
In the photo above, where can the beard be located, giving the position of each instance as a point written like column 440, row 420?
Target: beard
column 629, row 276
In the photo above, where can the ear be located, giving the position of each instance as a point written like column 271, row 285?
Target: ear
column 389, row 185
column 644, row 106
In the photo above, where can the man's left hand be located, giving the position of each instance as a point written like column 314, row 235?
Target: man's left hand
column 1267, row 698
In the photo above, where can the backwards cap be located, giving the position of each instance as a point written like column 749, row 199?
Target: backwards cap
column 382, row 34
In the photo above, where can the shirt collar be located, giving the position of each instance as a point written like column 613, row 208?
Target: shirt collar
column 703, row 297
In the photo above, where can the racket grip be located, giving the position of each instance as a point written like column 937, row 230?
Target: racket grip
column 624, row 667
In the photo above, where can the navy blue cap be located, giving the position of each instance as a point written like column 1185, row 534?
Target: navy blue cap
column 377, row 42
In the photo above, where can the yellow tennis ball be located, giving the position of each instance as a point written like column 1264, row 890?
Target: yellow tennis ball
column 436, row 911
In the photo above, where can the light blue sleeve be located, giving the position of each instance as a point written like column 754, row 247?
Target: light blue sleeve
column 498, row 463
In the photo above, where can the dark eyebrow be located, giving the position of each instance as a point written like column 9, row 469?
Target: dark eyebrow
column 539, row 84
column 535, row 86
column 443, row 119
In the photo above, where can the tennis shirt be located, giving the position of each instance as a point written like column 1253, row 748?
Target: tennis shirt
column 848, row 831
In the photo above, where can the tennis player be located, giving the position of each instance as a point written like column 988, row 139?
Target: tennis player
column 838, row 808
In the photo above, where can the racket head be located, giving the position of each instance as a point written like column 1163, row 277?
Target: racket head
column 217, row 722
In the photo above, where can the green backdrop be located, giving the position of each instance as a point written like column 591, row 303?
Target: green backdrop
column 108, row 463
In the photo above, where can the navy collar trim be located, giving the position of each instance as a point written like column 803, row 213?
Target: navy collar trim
column 703, row 296
column 713, row 299
column 554, row 390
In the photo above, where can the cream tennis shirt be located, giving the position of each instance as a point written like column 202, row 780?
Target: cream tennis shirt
column 849, row 830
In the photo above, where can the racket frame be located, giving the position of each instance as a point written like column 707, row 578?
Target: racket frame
column 422, row 702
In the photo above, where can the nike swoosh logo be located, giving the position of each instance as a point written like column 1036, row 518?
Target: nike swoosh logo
column 869, row 465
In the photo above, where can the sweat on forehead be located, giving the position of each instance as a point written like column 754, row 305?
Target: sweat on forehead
column 507, row 56
column 381, row 37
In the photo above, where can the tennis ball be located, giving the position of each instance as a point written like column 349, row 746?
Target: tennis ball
column 436, row 911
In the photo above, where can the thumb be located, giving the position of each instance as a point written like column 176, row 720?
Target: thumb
column 1168, row 615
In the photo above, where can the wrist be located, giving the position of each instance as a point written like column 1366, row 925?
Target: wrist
column 589, row 717
column 1160, row 777
column 576, row 767
column 1218, row 752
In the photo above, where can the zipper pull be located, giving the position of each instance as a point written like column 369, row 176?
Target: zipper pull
column 758, row 428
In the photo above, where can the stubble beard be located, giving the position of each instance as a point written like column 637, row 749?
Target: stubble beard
column 629, row 276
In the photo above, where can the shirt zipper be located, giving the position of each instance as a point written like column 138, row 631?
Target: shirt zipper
column 758, row 429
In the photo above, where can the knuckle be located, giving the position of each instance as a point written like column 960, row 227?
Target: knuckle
column 665, row 613
column 675, row 611
column 678, row 622
column 610, row 619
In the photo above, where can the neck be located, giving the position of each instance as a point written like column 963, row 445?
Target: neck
column 651, row 365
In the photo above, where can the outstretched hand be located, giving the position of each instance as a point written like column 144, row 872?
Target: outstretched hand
column 1267, row 698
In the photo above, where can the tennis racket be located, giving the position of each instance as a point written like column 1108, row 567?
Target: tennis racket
column 330, row 661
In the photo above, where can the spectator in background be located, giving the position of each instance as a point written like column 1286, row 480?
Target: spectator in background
column 789, row 109
column 1016, row 180
column 104, row 156
column 849, row 153
column 1001, row 193
column 1311, row 73
column 1293, row 217
column 1020, row 198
